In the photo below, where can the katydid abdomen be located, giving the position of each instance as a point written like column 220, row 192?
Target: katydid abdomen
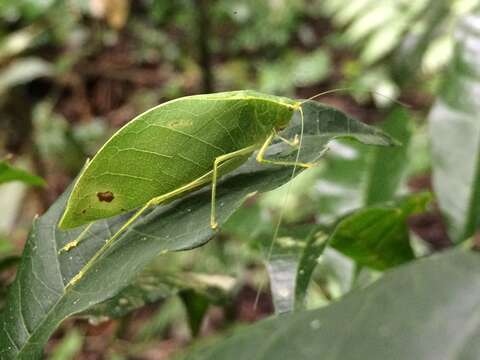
column 170, row 146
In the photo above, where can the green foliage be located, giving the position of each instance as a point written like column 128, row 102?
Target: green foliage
column 351, row 176
column 53, row 284
column 342, row 240
column 387, row 168
column 410, row 297
column 416, row 35
column 455, row 132
column 377, row 237
column 256, row 20
column 9, row 173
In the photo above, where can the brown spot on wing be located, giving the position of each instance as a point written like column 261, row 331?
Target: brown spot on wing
column 106, row 196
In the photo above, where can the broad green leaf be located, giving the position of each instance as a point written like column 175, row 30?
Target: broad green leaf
column 9, row 173
column 52, row 285
column 413, row 312
column 455, row 134
column 383, row 42
column 371, row 21
column 377, row 237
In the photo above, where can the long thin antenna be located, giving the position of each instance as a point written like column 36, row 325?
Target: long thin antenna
column 398, row 102
column 282, row 209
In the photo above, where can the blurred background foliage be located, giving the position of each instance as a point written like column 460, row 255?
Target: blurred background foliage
column 74, row 71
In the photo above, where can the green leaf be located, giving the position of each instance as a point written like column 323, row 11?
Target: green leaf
column 455, row 136
column 9, row 173
column 377, row 237
column 315, row 245
column 196, row 306
column 283, row 256
column 388, row 166
column 413, row 312
column 52, row 285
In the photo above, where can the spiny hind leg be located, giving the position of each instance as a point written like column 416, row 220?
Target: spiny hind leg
column 216, row 164
column 261, row 156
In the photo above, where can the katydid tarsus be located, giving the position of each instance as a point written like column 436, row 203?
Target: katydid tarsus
column 175, row 148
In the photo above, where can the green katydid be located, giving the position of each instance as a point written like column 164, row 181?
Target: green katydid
column 175, row 148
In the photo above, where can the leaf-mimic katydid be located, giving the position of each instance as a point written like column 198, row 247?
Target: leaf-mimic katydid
column 175, row 148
